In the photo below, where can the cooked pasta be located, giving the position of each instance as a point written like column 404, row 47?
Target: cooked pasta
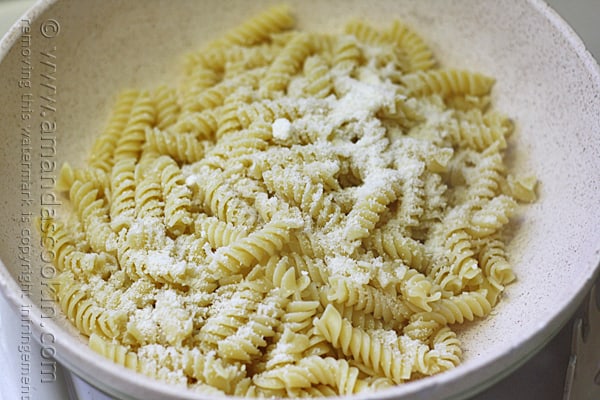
column 301, row 215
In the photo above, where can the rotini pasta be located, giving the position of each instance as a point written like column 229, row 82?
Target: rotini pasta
column 302, row 215
column 101, row 156
column 447, row 82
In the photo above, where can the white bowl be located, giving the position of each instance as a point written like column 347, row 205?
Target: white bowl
column 546, row 81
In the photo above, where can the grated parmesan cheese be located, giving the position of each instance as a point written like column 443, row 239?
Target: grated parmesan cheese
column 282, row 128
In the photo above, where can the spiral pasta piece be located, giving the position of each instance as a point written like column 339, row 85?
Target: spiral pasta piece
column 177, row 196
column 522, row 188
column 166, row 106
column 200, row 79
column 393, row 244
column 94, row 215
column 364, row 32
column 317, row 73
column 299, row 314
column 221, row 201
column 346, row 55
column 308, row 196
column 493, row 260
column 473, row 129
column 283, row 275
column 465, row 306
column 261, row 27
column 366, row 299
column 366, row 212
column 56, row 239
column 104, row 147
column 218, row 233
column 68, row 175
column 267, row 111
column 143, row 115
column 420, row 56
column 370, row 351
column 255, row 248
column 312, row 371
column 262, row 324
column 448, row 82
column 122, row 205
column 202, row 125
column 182, row 147
column 288, row 62
column 229, row 315
column 114, row 352
column 149, row 202
column 87, row 316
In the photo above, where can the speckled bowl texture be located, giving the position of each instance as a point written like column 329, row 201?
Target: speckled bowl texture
column 546, row 81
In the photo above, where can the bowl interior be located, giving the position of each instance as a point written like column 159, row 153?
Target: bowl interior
column 78, row 55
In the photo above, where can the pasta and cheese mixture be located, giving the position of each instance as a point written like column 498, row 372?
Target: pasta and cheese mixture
column 300, row 214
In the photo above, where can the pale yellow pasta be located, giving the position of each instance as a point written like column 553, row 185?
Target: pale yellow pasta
column 97, row 176
column 93, row 213
column 218, row 233
column 257, row 247
column 114, row 352
column 149, row 202
column 267, row 110
column 229, row 314
column 419, row 55
column 252, row 32
column 287, row 63
column 523, row 187
column 57, row 240
column 387, row 360
column 261, row 27
column 364, row 321
column 447, row 82
column 104, row 147
column 365, row 33
column 246, row 343
column 300, row 191
column 306, row 265
column 372, row 202
column 84, row 313
column 177, row 197
column 301, row 214
column 201, row 79
column 201, row 125
column 319, row 82
column 182, row 147
column 130, row 141
column 122, row 205
column 346, row 53
column 166, row 105
column 288, row 349
column 393, row 244
column 479, row 131
column 284, row 276
column 299, row 315
column 312, row 371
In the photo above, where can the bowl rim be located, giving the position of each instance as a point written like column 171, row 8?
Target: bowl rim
column 89, row 365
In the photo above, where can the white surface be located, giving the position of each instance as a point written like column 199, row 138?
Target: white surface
column 13, row 380
column 13, row 384
column 7, row 353
column 542, row 377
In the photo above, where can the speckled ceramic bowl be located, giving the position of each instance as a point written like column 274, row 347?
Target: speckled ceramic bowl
column 63, row 64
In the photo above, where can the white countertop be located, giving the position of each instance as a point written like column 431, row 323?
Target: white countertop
column 542, row 377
